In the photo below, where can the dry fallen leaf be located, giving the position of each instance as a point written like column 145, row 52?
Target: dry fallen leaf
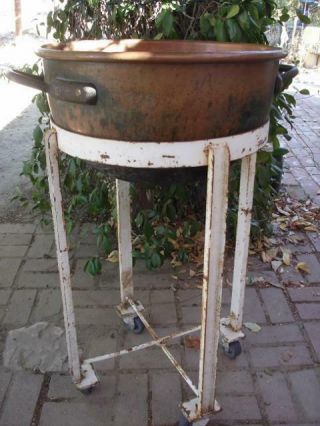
column 192, row 273
column 286, row 256
column 252, row 326
column 275, row 264
column 302, row 266
column 192, row 342
column 113, row 256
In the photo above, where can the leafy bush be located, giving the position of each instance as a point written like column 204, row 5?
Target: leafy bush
column 168, row 222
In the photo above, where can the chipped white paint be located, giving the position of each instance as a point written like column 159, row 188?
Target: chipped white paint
column 214, row 153
column 157, row 342
column 248, row 170
column 124, row 239
column 157, row 154
column 52, row 153
column 215, row 230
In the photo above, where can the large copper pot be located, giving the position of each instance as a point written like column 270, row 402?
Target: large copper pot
column 138, row 90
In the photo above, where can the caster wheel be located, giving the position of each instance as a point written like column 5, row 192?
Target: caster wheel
column 87, row 391
column 136, row 326
column 233, row 350
column 183, row 421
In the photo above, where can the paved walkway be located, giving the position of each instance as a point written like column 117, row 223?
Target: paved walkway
column 275, row 381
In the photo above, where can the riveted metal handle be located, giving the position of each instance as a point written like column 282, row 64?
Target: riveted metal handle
column 61, row 88
column 284, row 78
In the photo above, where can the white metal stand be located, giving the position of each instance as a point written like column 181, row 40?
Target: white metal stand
column 216, row 154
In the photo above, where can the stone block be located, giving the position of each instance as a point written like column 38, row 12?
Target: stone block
column 305, row 294
column 41, row 347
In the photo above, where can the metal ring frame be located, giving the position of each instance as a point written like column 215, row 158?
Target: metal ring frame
column 216, row 154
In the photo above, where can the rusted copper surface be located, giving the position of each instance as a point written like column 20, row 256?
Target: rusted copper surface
column 164, row 90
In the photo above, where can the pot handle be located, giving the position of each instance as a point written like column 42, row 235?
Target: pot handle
column 60, row 88
column 285, row 76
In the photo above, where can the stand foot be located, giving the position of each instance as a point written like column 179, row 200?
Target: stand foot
column 232, row 350
column 192, row 416
column 88, row 379
column 134, row 324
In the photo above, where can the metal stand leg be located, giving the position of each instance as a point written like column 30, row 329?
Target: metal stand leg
column 216, row 210
column 125, row 257
column 51, row 145
column 248, row 169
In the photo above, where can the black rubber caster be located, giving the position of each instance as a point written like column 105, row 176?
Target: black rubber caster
column 137, row 326
column 233, row 350
column 183, row 421
column 87, row 391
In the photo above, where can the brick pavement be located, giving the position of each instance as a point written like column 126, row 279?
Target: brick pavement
column 275, row 381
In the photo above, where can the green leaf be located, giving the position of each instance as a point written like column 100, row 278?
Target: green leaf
column 155, row 260
column 234, row 30
column 205, row 24
column 304, row 92
column 303, row 18
column 244, row 21
column 37, row 136
column 220, row 30
column 233, row 11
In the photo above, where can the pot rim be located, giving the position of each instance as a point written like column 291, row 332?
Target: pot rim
column 163, row 51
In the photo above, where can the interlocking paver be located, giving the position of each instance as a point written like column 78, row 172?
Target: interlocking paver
column 313, row 333
column 20, row 307
column 306, row 387
column 48, row 306
column 313, row 265
column 4, row 296
column 8, row 268
column 15, row 239
column 40, row 265
column 166, row 391
column 38, row 280
column 306, row 294
column 5, row 377
column 41, row 245
column 271, row 334
column 238, row 408
column 280, row 356
column 278, row 403
column 21, row 399
column 308, row 310
column 133, row 409
column 276, row 304
column 12, row 251
column 17, row 228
